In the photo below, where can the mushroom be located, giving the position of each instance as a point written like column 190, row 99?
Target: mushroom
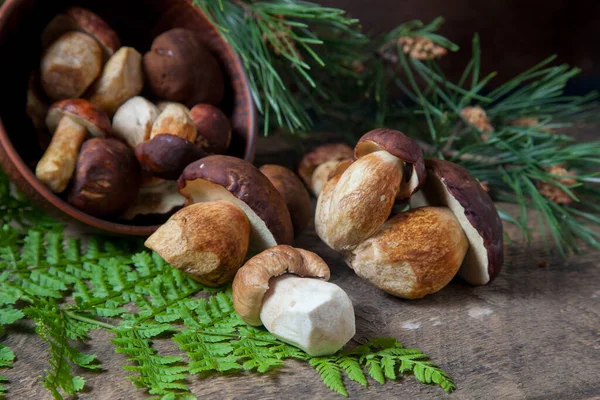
column 121, row 79
column 286, row 290
column 107, row 178
column 156, row 198
column 207, row 241
column 232, row 179
column 180, row 68
column 315, row 167
column 70, row 65
column 133, row 121
column 70, row 120
column 213, row 127
column 293, row 192
column 174, row 120
column 166, row 156
column 413, row 254
column 82, row 20
column 452, row 186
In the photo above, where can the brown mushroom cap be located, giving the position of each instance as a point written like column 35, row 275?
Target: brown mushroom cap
column 252, row 280
column 399, row 145
column 166, row 156
column 180, row 68
column 413, row 254
column 214, row 129
column 232, row 179
column 208, row 241
column 82, row 112
column 320, row 155
column 107, row 177
column 451, row 185
column 294, row 193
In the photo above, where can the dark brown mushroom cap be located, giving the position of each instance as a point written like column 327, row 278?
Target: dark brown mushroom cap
column 248, row 188
column 320, row 155
column 166, row 156
column 477, row 214
column 399, row 145
column 294, row 193
column 81, row 111
column 107, row 177
column 214, row 129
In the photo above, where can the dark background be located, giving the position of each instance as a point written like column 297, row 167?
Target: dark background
column 515, row 34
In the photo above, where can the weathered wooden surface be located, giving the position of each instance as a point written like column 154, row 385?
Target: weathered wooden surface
column 534, row 333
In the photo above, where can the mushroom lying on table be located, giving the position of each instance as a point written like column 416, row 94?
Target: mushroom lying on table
column 285, row 289
column 315, row 167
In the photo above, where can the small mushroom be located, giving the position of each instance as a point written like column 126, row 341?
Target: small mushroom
column 180, row 68
column 285, row 290
column 121, row 79
column 207, row 241
column 70, row 120
column 82, row 20
column 107, row 178
column 402, row 147
column 166, row 156
column 413, row 254
column 213, row 127
column 176, row 121
column 293, row 192
column 133, row 121
column 452, row 186
column 328, row 154
column 232, row 179
column 70, row 65
column 156, row 198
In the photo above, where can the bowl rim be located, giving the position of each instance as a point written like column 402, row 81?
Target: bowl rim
column 114, row 227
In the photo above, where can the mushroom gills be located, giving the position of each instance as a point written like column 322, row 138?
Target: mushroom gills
column 436, row 194
column 201, row 191
column 311, row 314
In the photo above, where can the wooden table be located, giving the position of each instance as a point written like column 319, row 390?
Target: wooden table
column 534, row 333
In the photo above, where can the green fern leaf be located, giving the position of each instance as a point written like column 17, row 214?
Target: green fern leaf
column 374, row 369
column 31, row 254
column 330, row 373
column 6, row 357
column 353, row 369
column 389, row 367
column 10, row 316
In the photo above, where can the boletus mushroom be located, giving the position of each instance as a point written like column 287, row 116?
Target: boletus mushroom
column 316, row 166
column 157, row 199
column 213, row 128
column 133, row 121
column 286, row 290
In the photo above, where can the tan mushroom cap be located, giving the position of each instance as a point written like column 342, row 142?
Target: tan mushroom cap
column 451, row 185
column 252, row 280
column 82, row 112
column 294, row 193
column 320, row 155
column 413, row 254
column 220, row 177
column 399, row 145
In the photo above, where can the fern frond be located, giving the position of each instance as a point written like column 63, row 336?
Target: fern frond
column 330, row 372
column 6, row 361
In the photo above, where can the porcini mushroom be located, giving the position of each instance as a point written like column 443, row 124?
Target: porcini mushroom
column 220, row 177
column 121, row 79
column 107, row 178
column 70, row 120
column 82, row 20
column 207, row 241
column 452, row 186
column 175, row 120
column 180, row 68
column 157, row 199
column 166, row 156
column 213, row 127
column 293, row 192
column 286, row 290
column 315, row 167
column 70, row 65
column 133, row 121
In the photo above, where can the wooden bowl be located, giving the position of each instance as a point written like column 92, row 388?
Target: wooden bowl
column 137, row 22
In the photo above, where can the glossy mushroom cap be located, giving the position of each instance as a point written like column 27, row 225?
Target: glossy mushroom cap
column 413, row 254
column 294, row 193
column 453, row 186
column 232, row 179
column 82, row 112
column 166, row 156
column 252, row 280
column 213, row 127
column 401, row 146
column 321, row 155
column 207, row 241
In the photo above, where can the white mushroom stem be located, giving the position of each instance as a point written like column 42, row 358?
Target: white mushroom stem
column 56, row 167
column 311, row 314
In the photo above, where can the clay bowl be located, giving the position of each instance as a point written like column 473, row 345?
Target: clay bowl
column 137, row 22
